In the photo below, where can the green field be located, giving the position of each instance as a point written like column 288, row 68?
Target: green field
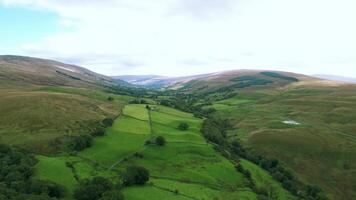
column 186, row 167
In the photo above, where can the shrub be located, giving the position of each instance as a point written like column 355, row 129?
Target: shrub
column 135, row 175
column 107, row 122
column 110, row 98
column 160, row 141
column 183, row 126
column 98, row 131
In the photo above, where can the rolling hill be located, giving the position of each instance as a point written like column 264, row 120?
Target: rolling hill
column 19, row 70
column 44, row 101
column 305, row 123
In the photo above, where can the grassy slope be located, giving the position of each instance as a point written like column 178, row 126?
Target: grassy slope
column 37, row 119
column 322, row 150
column 42, row 101
column 191, row 167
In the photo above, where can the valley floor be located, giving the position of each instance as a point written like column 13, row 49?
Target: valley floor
column 186, row 167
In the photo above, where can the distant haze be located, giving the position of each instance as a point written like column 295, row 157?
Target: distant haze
column 184, row 37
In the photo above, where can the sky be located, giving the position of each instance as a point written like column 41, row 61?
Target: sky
column 184, row 37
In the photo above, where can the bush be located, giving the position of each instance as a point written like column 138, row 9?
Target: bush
column 81, row 142
column 160, row 141
column 99, row 131
column 135, row 175
column 107, row 122
column 183, row 126
column 110, row 98
column 138, row 155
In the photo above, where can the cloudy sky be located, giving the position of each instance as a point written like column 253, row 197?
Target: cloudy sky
column 184, row 37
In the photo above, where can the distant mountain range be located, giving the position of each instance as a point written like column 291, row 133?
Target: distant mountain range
column 336, row 78
column 156, row 81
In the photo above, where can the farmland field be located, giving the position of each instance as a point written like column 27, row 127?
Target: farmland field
column 185, row 167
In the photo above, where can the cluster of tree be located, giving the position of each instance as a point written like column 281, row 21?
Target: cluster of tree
column 135, row 175
column 80, row 142
column 159, row 141
column 183, row 126
column 138, row 101
column 16, row 170
column 215, row 130
column 98, row 188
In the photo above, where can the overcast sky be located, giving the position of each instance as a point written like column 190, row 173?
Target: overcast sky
column 184, row 37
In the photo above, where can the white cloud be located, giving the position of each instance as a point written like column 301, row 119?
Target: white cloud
column 178, row 37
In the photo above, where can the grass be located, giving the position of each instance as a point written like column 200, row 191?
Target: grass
column 187, row 167
column 54, row 169
column 186, row 161
column 43, row 118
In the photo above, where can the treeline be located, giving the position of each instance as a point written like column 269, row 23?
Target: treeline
column 215, row 129
column 16, row 183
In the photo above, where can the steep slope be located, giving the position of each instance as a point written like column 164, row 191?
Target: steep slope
column 44, row 101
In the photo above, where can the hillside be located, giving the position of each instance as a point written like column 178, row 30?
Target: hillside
column 25, row 71
column 44, row 101
column 306, row 123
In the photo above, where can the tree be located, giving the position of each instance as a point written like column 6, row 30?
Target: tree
column 135, row 175
column 183, row 126
column 160, row 141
